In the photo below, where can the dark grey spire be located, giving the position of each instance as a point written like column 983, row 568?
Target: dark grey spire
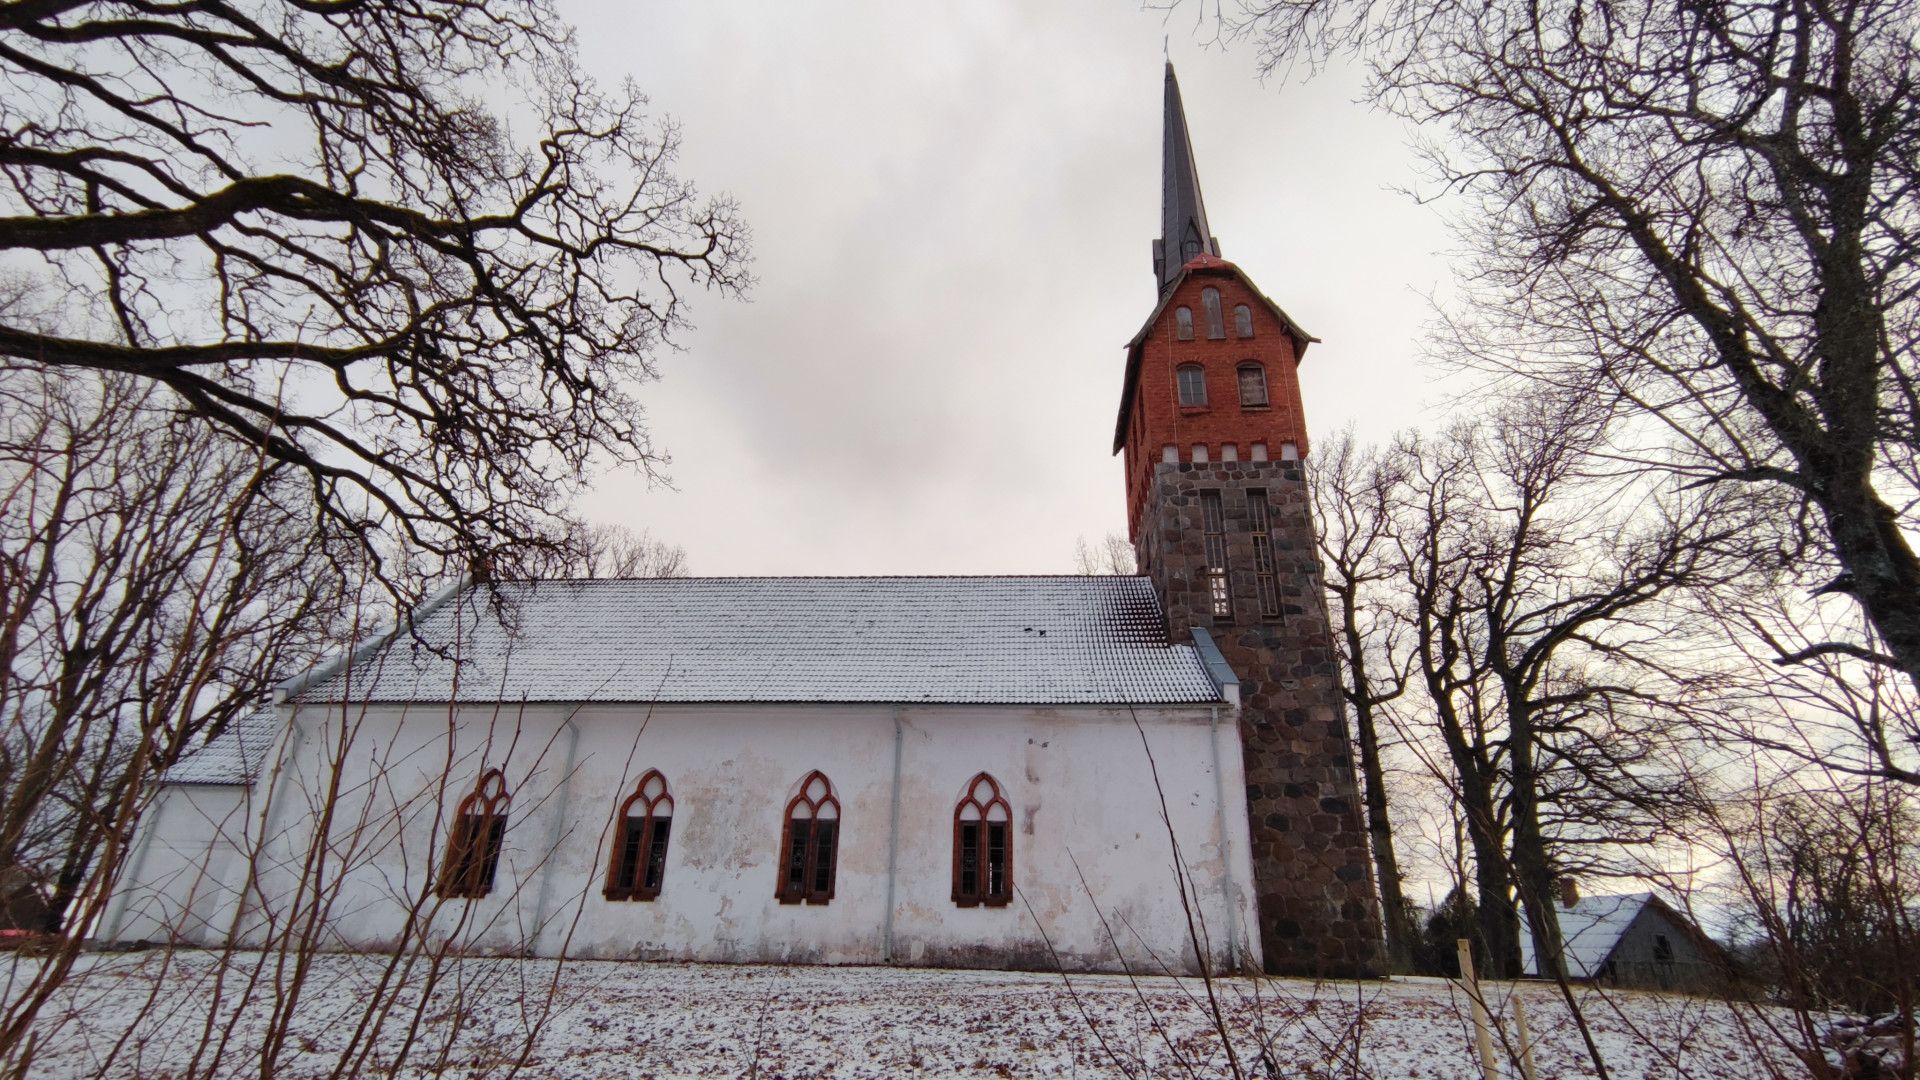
column 1183, row 216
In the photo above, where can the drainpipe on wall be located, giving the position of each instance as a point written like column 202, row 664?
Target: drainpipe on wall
column 554, row 835
column 893, row 838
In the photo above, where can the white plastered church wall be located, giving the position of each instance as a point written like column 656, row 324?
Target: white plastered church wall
column 1078, row 779
column 187, row 867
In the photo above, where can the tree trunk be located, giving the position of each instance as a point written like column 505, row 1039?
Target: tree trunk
column 1532, row 869
column 1386, row 866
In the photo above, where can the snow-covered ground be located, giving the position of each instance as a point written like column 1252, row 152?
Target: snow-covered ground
column 146, row 1015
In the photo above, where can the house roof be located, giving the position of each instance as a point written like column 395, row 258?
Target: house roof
column 1590, row 930
column 1202, row 264
column 960, row 640
column 232, row 757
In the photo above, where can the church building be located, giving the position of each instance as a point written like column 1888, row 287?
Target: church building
column 1147, row 773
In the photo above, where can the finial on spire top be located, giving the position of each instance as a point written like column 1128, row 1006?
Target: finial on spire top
column 1183, row 215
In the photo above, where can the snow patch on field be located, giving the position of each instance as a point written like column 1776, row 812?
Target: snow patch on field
column 145, row 1015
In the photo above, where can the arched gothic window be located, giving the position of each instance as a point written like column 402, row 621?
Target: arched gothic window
column 982, row 845
column 1191, row 380
column 1253, row 385
column 1183, row 323
column 473, row 844
column 1242, row 321
column 1210, row 305
column 809, row 843
column 640, row 841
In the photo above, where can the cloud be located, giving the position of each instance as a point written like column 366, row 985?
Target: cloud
column 952, row 209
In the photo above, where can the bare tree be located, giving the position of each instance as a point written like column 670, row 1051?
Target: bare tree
column 1113, row 555
column 408, row 251
column 1843, row 888
column 1538, row 597
column 1706, row 213
column 1353, row 495
column 616, row 551
column 155, row 579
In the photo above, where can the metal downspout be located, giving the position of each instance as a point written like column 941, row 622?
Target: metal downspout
column 893, row 838
column 1228, row 889
column 554, row 835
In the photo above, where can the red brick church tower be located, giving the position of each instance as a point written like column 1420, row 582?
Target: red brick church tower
column 1215, row 441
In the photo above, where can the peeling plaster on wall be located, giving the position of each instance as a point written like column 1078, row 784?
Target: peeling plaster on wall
column 730, row 769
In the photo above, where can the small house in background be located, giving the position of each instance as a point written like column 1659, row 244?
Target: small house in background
column 1633, row 940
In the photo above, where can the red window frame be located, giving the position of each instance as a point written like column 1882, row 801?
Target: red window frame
column 977, row 881
column 809, row 853
column 474, row 841
column 636, row 867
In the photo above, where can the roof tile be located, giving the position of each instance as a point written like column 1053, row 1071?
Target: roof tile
column 1009, row 640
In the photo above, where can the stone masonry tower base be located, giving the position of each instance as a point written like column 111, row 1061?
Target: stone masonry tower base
column 1213, row 436
column 1312, row 875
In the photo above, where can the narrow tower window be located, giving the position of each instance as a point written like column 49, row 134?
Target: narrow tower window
column 809, row 843
column 1210, row 304
column 1242, row 321
column 640, row 841
column 1183, row 323
column 982, row 845
column 1219, row 589
column 1261, row 521
column 473, row 844
column 1192, row 380
column 1253, row 386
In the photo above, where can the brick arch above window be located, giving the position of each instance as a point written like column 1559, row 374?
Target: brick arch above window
column 982, row 845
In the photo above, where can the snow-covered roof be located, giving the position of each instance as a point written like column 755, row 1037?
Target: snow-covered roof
column 232, row 757
column 1589, row 930
column 1004, row 640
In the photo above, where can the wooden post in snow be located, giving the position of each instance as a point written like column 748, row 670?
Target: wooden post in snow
column 1526, row 1037
column 1482, row 1033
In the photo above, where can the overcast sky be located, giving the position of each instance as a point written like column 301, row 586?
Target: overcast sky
column 952, row 208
